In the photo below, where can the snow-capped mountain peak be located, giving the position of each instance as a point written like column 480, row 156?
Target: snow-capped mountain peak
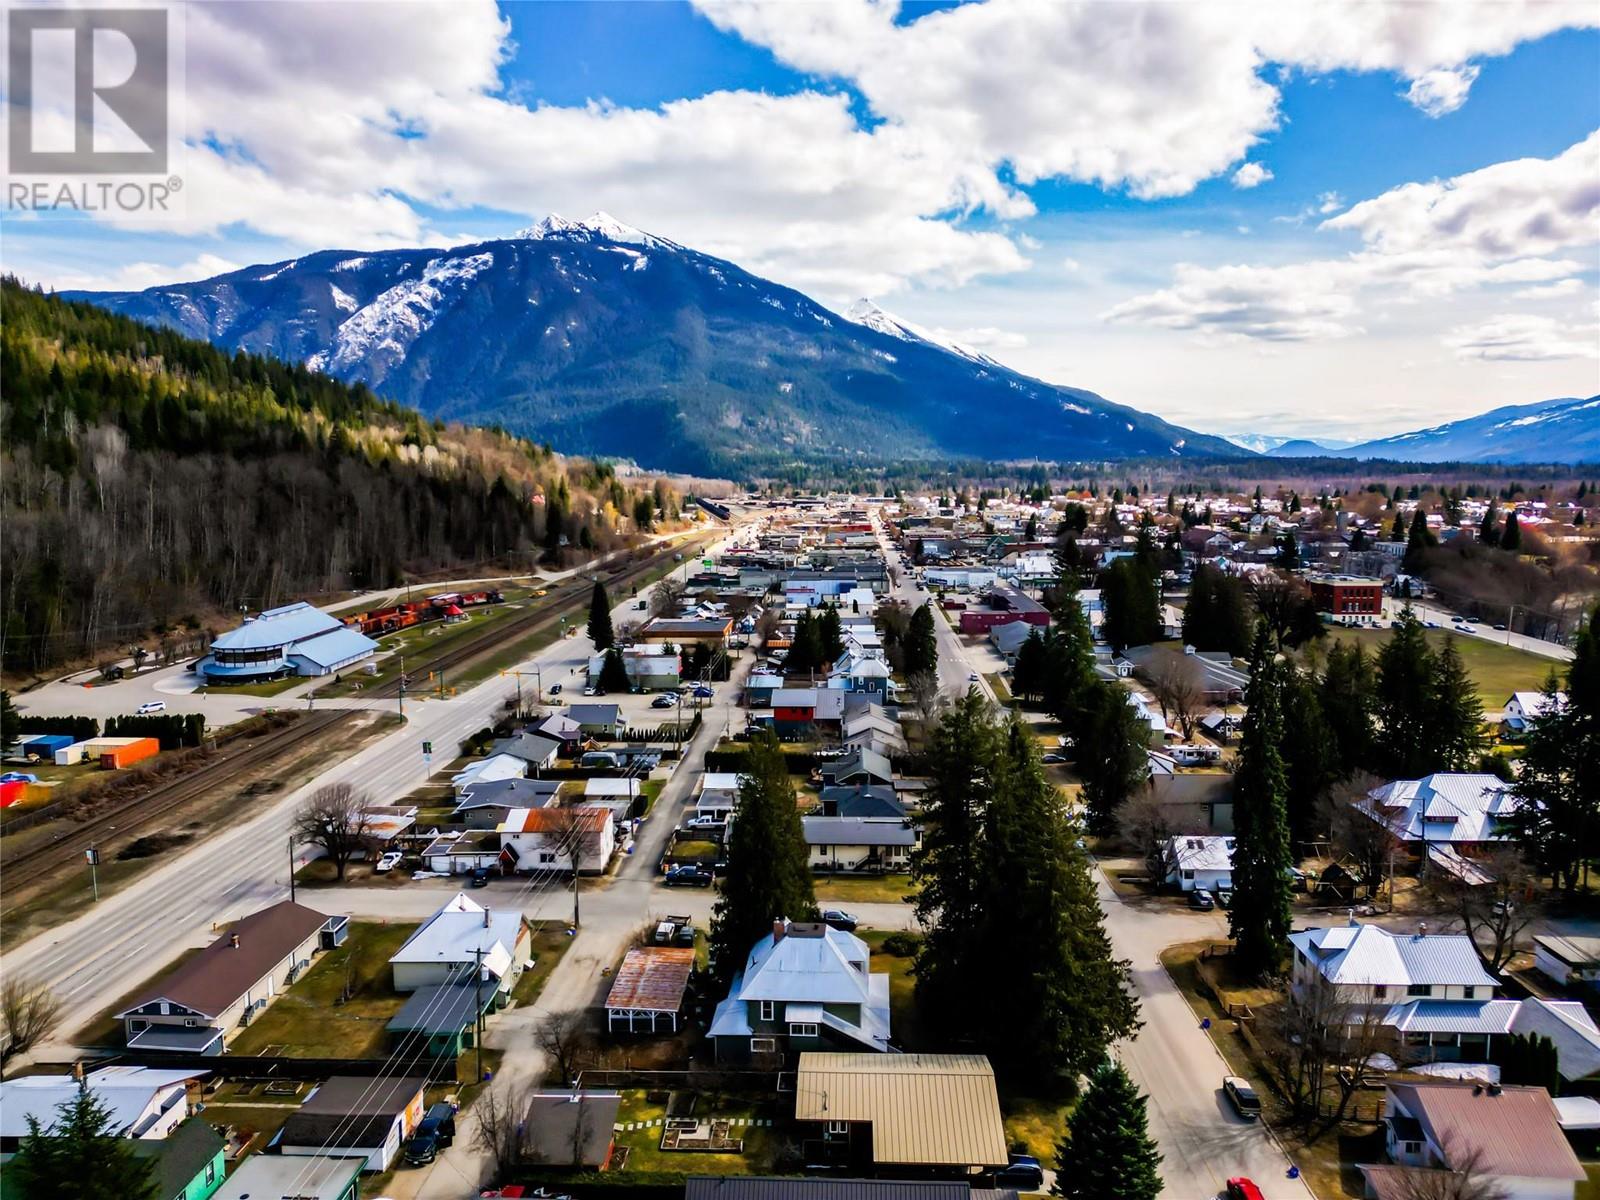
column 555, row 227
column 867, row 312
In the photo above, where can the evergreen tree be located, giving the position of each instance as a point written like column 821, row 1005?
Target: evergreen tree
column 921, row 646
column 1511, row 538
column 1418, row 544
column 600, row 632
column 1260, row 917
column 1132, row 607
column 1219, row 614
column 830, row 634
column 613, row 673
column 1406, row 748
column 1528, row 1060
column 79, row 1156
column 1113, row 754
column 962, row 754
column 1310, row 769
column 1558, row 821
column 1455, row 713
column 768, row 876
column 1346, row 699
column 1028, row 672
column 1108, row 1153
column 1397, row 532
column 805, row 650
column 1288, row 556
column 1069, row 674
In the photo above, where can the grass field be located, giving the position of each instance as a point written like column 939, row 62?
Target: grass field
column 644, row 1144
column 902, row 1003
column 549, row 942
column 864, row 889
column 1498, row 670
column 309, row 1021
column 273, row 687
column 1035, row 1126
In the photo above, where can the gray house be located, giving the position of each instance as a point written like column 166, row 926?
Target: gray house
column 805, row 986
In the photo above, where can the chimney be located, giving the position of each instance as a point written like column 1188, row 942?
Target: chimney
column 233, row 940
column 1495, row 1089
column 486, row 911
column 1353, row 920
column 779, row 928
column 1422, row 929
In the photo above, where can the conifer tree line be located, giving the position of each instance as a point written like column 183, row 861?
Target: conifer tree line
column 818, row 641
column 1015, row 958
column 154, row 482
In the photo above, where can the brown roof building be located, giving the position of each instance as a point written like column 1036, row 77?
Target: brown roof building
column 357, row 1114
column 197, row 1005
column 649, row 987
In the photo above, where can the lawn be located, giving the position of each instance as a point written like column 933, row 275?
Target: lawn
column 310, row 1021
column 644, row 1144
column 549, row 942
column 864, row 889
column 1035, row 1126
column 1497, row 669
column 902, row 984
column 273, row 687
column 997, row 684
column 649, row 793
column 261, row 1121
column 1589, row 1189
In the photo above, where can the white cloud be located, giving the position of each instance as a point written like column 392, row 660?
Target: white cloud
column 1500, row 225
column 1550, row 291
column 1071, row 264
column 985, row 337
column 1329, row 202
column 1442, row 90
column 1252, row 174
column 133, row 277
column 1524, row 338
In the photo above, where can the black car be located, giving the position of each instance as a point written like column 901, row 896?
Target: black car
column 1023, row 1173
column 480, row 877
column 839, row 919
column 434, row 1132
column 1202, row 899
column 688, row 876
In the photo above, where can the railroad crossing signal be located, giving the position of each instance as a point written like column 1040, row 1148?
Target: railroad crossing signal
column 427, row 748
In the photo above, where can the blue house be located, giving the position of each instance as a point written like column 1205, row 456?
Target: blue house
column 296, row 639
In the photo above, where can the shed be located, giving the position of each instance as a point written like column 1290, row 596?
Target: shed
column 359, row 1115
column 649, row 986
column 572, row 1128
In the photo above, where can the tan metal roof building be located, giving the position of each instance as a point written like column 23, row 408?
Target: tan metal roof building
column 924, row 1109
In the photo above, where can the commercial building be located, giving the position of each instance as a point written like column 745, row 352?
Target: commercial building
column 1004, row 605
column 1346, row 595
column 295, row 639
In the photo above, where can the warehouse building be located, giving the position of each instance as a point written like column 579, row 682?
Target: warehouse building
column 296, row 639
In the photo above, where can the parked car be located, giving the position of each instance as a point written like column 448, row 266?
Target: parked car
column 151, row 707
column 555, row 689
column 688, row 875
column 839, row 919
column 703, row 693
column 1242, row 1096
column 972, row 677
column 705, row 822
column 1202, row 899
column 1240, row 1188
column 589, row 689
column 388, row 862
column 434, row 1132
column 1500, row 625
column 1225, row 897
column 480, row 877
column 1023, row 1172
column 664, row 702
column 1053, row 757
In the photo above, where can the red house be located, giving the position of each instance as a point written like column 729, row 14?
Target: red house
column 1004, row 604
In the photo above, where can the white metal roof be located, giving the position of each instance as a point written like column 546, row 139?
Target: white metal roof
column 1358, row 955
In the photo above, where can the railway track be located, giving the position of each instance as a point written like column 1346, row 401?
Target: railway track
column 19, row 869
column 547, row 612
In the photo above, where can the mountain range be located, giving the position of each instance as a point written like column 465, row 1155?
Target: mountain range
column 599, row 338
column 1565, row 430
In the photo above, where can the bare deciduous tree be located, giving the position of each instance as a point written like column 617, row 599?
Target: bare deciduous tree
column 1462, row 1177
column 666, row 598
column 563, row 1037
column 335, row 819
column 1495, row 914
column 1149, row 826
column 501, row 1113
column 1176, row 682
column 30, row 1012
column 1325, row 1036
column 1361, row 833
column 926, row 699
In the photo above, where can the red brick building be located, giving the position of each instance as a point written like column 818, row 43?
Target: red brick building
column 1346, row 595
column 1004, row 604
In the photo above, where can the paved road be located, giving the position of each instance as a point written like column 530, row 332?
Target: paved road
column 1483, row 631
column 954, row 669
column 93, row 960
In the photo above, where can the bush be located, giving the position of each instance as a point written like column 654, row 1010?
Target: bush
column 901, row 945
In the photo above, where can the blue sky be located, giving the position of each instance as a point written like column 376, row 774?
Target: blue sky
column 1346, row 221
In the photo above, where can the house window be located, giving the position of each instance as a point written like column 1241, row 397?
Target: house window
column 546, row 856
column 763, row 1045
column 803, row 1029
column 211, row 1172
column 138, row 1026
column 838, row 1128
column 768, row 1010
column 190, row 1022
column 1419, row 989
column 1380, row 991
column 1469, row 993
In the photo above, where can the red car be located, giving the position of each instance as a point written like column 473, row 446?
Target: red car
column 1240, row 1188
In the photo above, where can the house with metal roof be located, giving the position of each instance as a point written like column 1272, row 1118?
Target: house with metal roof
column 442, row 1020
column 271, row 1176
column 648, row 989
column 596, row 718
column 485, row 805
column 858, row 766
column 931, row 1114
column 1370, row 965
column 544, row 839
column 874, row 800
column 805, row 986
column 1200, row 862
column 788, row 1187
column 364, row 1118
column 142, row 1103
column 189, row 1163
column 1571, row 961
column 859, row 843
column 295, row 639
column 1521, row 708
column 458, row 940
column 197, row 1006
column 1468, row 814
column 1510, row 1136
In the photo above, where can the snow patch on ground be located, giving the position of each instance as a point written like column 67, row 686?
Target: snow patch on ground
column 342, row 300
column 399, row 316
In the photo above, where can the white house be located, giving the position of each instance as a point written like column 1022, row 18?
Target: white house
column 487, row 770
column 1512, row 1136
column 1200, row 862
column 1569, row 961
column 458, row 940
column 859, row 843
column 1370, row 966
column 1466, row 813
column 143, row 1103
column 1524, row 707
column 540, row 838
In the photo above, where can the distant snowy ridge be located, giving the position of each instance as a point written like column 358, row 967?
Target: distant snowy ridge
column 599, row 226
column 398, row 317
column 866, row 312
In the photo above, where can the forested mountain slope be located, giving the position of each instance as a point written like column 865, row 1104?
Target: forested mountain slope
column 152, row 481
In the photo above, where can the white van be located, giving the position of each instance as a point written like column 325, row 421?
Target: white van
column 150, row 707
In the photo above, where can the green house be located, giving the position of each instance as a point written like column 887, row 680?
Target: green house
column 189, row 1161
column 446, row 1015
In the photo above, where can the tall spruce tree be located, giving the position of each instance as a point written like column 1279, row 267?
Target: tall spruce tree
column 1346, row 696
column 1455, row 713
column 768, row 876
column 1108, row 1153
column 922, row 645
column 830, row 635
column 1406, row 749
column 1308, row 756
column 613, row 674
column 962, row 756
column 1488, row 531
column 1069, row 675
column 1113, row 754
column 1260, row 916
column 1056, row 997
column 600, row 631
column 79, row 1156
column 1420, row 541
column 1132, row 607
column 1028, row 672
column 1511, row 536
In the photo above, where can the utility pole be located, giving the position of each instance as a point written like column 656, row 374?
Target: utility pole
column 477, row 1007
column 402, row 685
column 291, row 868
